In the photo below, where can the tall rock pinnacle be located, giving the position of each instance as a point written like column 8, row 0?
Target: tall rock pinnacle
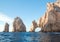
column 18, row 25
column 33, row 26
column 6, row 29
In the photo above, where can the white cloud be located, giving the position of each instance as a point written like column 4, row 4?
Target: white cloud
column 1, row 28
column 4, row 18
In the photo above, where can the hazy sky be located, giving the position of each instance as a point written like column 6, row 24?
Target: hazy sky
column 27, row 10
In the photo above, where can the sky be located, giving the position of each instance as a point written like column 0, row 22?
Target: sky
column 27, row 10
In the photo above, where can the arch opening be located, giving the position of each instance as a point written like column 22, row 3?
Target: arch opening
column 37, row 29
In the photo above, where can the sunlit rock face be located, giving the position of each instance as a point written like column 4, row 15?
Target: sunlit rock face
column 18, row 25
column 50, row 22
column 6, row 29
column 33, row 26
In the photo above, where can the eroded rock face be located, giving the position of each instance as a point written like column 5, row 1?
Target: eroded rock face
column 33, row 26
column 50, row 22
column 18, row 25
column 6, row 29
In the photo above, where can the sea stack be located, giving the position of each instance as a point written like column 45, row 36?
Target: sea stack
column 6, row 29
column 18, row 25
column 33, row 26
column 50, row 22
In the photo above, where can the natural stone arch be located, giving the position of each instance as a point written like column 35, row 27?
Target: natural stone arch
column 34, row 26
column 50, row 22
column 38, row 29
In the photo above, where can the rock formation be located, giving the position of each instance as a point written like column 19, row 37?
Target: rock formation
column 33, row 26
column 6, row 29
column 58, row 0
column 50, row 22
column 18, row 25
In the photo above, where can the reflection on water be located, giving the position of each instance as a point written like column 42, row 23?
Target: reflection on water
column 29, row 37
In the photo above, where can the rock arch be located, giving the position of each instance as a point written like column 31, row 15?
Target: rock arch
column 38, row 29
column 33, row 26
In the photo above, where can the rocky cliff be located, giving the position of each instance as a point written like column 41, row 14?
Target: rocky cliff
column 18, row 25
column 50, row 22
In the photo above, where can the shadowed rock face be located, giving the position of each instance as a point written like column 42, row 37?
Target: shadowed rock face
column 18, row 25
column 50, row 22
column 33, row 26
column 6, row 29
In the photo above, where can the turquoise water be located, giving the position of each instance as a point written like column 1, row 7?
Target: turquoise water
column 29, row 37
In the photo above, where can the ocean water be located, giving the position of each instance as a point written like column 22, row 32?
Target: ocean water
column 29, row 37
